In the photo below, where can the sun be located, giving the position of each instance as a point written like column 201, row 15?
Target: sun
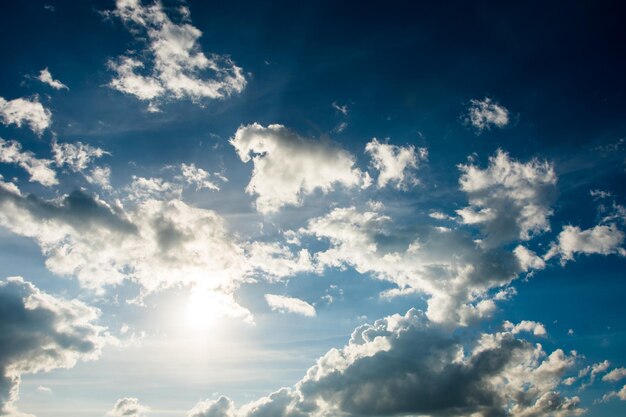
column 202, row 310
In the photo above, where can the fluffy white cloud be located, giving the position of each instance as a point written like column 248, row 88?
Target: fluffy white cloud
column 38, row 169
column 46, row 78
column 528, row 259
column 25, row 111
column 600, row 239
column 533, row 327
column 621, row 394
column 198, row 177
column 449, row 266
column 77, row 156
column 39, row 333
column 407, row 365
column 176, row 67
column 288, row 166
column 395, row 164
column 156, row 243
column 285, row 304
column 615, row 375
column 222, row 407
column 128, row 407
column 485, row 113
column 509, row 199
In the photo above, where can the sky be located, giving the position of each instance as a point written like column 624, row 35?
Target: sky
column 312, row 209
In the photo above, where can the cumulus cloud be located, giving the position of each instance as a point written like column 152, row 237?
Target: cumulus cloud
column 485, row 114
column 288, row 167
column 39, row 333
column 529, row 326
column 198, row 177
column 285, row 304
column 46, row 78
column 615, row 375
column 172, row 64
column 128, row 407
column 528, row 259
column 39, row 169
column 621, row 394
column 450, row 267
column 395, row 164
column 156, row 243
column 407, row 365
column 222, row 407
column 600, row 239
column 77, row 156
column 509, row 199
column 25, row 111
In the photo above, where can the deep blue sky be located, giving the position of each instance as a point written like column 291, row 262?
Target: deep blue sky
column 408, row 74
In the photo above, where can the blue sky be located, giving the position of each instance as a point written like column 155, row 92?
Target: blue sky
column 214, row 209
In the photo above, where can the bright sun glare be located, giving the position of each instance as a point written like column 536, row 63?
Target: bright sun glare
column 202, row 310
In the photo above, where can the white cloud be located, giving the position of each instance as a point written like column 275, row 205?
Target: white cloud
column 341, row 109
column 175, row 66
column 533, row 327
column 38, row 169
column 222, row 407
column 395, row 164
column 621, row 394
column 155, row 243
column 483, row 114
column 455, row 272
column 509, row 199
column 198, row 177
column 25, row 111
column 288, row 167
column 406, row 365
column 128, row 407
column 100, row 176
column 45, row 390
column 600, row 239
column 46, row 78
column 528, row 259
column 77, row 156
column 615, row 375
column 39, row 333
column 285, row 304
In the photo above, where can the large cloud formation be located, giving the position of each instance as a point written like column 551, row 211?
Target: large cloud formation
column 407, row 365
column 39, row 333
column 176, row 68
column 288, row 167
column 155, row 242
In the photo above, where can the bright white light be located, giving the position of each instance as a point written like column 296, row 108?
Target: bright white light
column 202, row 310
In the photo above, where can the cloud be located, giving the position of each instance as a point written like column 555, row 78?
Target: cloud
column 198, row 177
column 155, row 243
column 450, row 267
column 288, row 167
column 615, row 375
column 621, row 394
column 533, row 327
column 285, row 304
column 128, row 407
column 600, row 239
column 172, row 64
column 39, row 333
column 341, row 109
column 46, row 78
column 509, row 199
column 25, row 111
column 77, row 156
column 528, row 259
column 222, row 407
column 407, row 365
column 38, row 169
column 395, row 164
column 484, row 114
